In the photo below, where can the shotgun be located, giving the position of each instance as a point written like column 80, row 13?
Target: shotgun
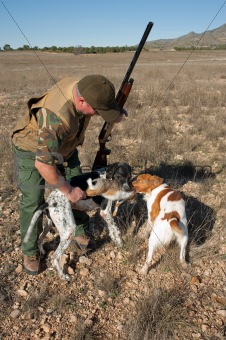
column 122, row 95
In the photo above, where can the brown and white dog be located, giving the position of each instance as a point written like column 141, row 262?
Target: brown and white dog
column 166, row 216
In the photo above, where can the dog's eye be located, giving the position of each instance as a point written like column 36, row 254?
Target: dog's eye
column 103, row 174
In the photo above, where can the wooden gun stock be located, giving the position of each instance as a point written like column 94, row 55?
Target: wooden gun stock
column 124, row 94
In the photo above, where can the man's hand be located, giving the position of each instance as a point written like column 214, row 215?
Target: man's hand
column 122, row 115
column 124, row 112
column 52, row 176
column 75, row 194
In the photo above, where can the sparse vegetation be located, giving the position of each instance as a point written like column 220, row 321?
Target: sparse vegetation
column 159, row 315
column 176, row 129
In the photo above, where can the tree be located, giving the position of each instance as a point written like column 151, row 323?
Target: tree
column 53, row 48
column 78, row 50
column 26, row 47
column 7, row 47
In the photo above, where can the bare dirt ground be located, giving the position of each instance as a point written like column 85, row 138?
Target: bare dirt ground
column 176, row 128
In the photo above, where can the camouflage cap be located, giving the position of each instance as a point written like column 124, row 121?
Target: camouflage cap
column 99, row 93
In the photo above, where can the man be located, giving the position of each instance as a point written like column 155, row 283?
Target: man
column 45, row 142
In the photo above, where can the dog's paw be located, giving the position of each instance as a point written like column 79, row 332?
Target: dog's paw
column 184, row 264
column 66, row 277
column 119, row 243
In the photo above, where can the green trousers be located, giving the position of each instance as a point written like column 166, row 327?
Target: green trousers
column 32, row 187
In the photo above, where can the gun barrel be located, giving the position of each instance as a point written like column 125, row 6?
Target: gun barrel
column 135, row 57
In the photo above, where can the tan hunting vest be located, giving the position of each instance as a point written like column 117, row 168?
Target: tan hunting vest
column 59, row 100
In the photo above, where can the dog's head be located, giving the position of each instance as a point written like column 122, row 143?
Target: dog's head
column 121, row 173
column 115, row 184
column 145, row 183
column 98, row 186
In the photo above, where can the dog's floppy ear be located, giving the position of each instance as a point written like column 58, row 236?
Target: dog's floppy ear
column 156, row 181
column 118, row 171
column 111, row 169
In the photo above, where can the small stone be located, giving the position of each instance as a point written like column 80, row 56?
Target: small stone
column 70, row 270
column 19, row 269
column 127, row 301
column 199, row 321
column 120, row 327
column 64, row 259
column 46, row 337
column 46, row 328
column 6, row 212
column 207, row 272
column 194, row 288
column 196, row 335
column 195, row 280
column 72, row 256
column 131, row 273
column 119, row 256
column 221, row 312
column 15, row 313
column 102, row 293
column 88, row 322
column 130, row 284
column 16, row 305
column 85, row 260
column 22, row 292
column 30, row 316
column 73, row 319
column 222, row 249
column 49, row 236
column 84, row 272
column 204, row 327
column 112, row 254
column 133, row 224
column 218, row 299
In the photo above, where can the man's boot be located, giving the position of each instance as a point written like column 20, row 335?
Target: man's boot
column 31, row 264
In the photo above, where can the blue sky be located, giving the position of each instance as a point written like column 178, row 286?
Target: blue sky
column 103, row 22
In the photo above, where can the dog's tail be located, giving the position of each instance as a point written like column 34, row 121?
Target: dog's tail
column 174, row 224
column 173, row 218
column 33, row 221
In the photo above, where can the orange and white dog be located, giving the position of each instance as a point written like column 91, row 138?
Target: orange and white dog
column 166, row 216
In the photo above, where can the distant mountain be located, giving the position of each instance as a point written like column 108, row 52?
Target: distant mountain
column 211, row 38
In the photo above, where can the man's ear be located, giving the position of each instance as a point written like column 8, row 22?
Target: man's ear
column 81, row 101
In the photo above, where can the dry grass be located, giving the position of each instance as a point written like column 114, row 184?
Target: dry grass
column 160, row 99
column 159, row 314
column 107, row 282
column 176, row 129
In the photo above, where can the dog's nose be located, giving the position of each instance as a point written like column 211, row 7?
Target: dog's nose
column 127, row 187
